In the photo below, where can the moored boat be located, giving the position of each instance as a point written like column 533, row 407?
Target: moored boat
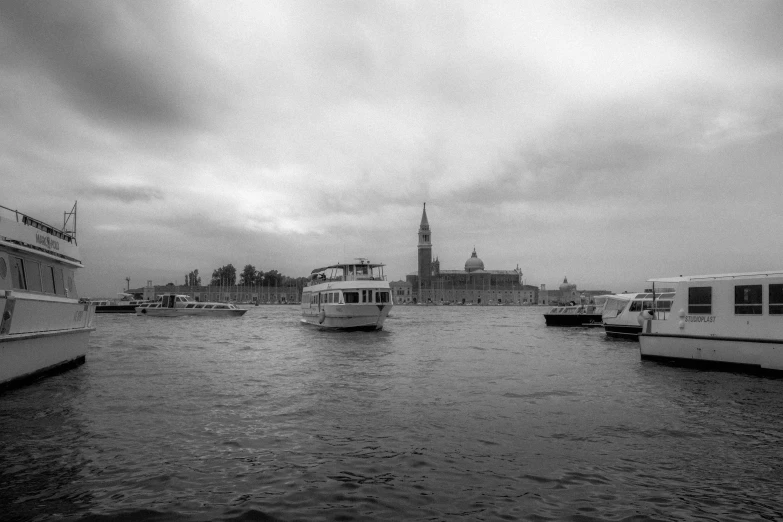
column 124, row 304
column 733, row 319
column 621, row 312
column 173, row 305
column 577, row 315
column 347, row 296
column 44, row 327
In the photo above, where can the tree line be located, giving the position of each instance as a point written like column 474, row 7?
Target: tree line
column 227, row 276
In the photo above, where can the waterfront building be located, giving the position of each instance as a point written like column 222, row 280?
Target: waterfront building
column 402, row 292
column 567, row 293
column 226, row 294
column 472, row 285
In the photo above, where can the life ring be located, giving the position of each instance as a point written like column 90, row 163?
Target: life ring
column 321, row 316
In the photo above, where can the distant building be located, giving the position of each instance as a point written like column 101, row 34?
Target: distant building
column 473, row 285
column 567, row 293
column 232, row 293
column 402, row 292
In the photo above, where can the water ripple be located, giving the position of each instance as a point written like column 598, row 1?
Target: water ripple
column 450, row 413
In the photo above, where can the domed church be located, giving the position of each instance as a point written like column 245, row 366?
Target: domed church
column 473, row 285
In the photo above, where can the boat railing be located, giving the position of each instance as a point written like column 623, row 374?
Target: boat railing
column 32, row 222
column 350, row 277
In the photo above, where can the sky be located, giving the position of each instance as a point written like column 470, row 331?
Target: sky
column 606, row 142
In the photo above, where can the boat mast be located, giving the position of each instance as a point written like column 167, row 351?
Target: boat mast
column 66, row 217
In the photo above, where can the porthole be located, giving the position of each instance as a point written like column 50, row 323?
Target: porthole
column 3, row 268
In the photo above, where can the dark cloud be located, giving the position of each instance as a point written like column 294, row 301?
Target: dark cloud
column 116, row 62
column 127, row 194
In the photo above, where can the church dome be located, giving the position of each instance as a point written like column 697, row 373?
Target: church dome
column 566, row 286
column 474, row 263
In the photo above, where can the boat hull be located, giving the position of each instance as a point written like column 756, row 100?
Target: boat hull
column 573, row 320
column 26, row 357
column 351, row 317
column 765, row 354
column 183, row 312
column 623, row 331
column 115, row 309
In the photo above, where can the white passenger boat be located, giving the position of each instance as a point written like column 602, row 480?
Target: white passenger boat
column 588, row 315
column 124, row 304
column 347, row 296
column 734, row 319
column 621, row 313
column 173, row 305
column 44, row 328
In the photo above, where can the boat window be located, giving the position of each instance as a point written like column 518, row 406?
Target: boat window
column 747, row 299
column 59, row 286
column 636, row 306
column 17, row 273
column 32, row 270
column 663, row 305
column 190, row 306
column 351, row 297
column 700, row 300
column 200, row 306
column 47, row 278
column 381, row 297
column 669, row 295
column 775, row 299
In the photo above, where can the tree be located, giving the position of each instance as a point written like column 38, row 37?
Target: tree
column 273, row 278
column 224, row 276
column 193, row 279
column 248, row 276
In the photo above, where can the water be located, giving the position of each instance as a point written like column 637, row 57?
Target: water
column 450, row 413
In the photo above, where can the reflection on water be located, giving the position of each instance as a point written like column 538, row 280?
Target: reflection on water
column 449, row 413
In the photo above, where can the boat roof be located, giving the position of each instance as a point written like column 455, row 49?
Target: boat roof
column 736, row 275
column 343, row 265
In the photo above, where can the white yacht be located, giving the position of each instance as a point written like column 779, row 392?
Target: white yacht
column 173, row 305
column 621, row 313
column 44, row 327
column 347, row 296
column 733, row 319
column 124, row 304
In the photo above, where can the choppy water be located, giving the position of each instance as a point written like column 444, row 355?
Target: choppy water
column 451, row 413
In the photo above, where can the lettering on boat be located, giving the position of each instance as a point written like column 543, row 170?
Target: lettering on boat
column 48, row 242
column 700, row 318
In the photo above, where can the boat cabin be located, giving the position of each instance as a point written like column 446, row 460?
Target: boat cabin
column 617, row 304
column 362, row 270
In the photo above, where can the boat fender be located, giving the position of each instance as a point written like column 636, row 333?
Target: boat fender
column 321, row 317
column 644, row 316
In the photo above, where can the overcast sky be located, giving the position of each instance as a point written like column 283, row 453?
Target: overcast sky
column 607, row 142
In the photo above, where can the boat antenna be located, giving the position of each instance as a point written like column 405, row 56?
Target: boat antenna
column 67, row 217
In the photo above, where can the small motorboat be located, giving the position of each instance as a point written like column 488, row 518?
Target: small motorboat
column 577, row 315
column 173, row 305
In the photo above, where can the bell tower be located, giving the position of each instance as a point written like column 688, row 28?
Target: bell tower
column 425, row 250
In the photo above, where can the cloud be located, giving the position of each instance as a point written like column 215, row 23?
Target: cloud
column 127, row 194
column 280, row 133
column 118, row 62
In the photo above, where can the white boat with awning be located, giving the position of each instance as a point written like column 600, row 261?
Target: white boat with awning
column 347, row 296
column 734, row 319
column 621, row 313
column 44, row 327
column 173, row 305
